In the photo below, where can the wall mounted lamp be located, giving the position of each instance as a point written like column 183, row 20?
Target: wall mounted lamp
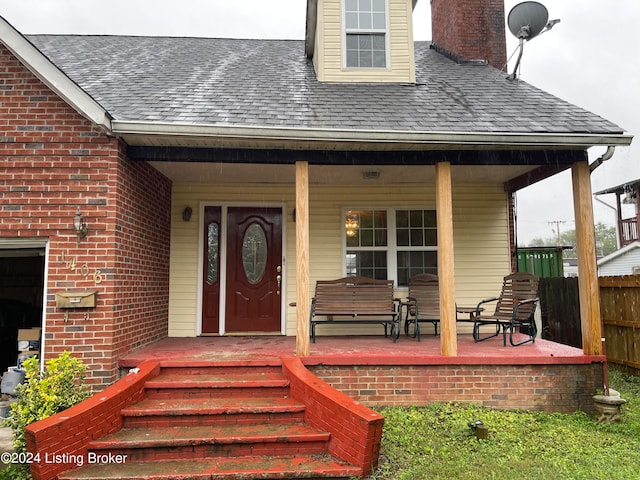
column 186, row 214
column 79, row 226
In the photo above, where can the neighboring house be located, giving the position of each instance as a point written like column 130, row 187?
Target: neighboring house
column 570, row 267
column 629, row 194
column 625, row 261
column 219, row 179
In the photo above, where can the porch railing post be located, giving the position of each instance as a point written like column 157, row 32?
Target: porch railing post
column 589, row 292
column 446, row 271
column 303, row 302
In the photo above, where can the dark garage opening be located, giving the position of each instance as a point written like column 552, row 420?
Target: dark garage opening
column 21, row 292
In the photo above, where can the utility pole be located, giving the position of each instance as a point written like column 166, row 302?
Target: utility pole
column 557, row 229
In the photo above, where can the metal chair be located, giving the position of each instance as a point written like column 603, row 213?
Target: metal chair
column 423, row 303
column 515, row 309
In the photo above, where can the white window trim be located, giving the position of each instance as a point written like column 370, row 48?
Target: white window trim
column 392, row 247
column 387, row 43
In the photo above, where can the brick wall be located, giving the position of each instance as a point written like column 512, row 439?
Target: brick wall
column 142, row 239
column 550, row 388
column 470, row 30
column 54, row 161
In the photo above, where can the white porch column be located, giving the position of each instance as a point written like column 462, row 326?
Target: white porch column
column 446, row 273
column 303, row 301
column 587, row 267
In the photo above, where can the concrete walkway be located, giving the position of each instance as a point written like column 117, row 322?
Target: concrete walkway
column 6, row 439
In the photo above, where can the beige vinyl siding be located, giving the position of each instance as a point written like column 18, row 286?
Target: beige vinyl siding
column 328, row 58
column 480, row 235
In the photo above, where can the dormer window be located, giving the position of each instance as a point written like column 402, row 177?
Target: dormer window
column 365, row 33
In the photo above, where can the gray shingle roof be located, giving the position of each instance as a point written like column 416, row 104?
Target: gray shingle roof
column 270, row 83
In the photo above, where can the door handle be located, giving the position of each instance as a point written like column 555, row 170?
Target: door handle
column 279, row 277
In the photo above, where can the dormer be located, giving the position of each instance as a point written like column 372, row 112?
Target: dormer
column 372, row 40
column 361, row 40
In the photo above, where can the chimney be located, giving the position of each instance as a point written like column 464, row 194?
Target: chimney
column 470, row 30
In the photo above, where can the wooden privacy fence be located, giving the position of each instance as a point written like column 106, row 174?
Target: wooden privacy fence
column 620, row 310
column 560, row 310
column 620, row 307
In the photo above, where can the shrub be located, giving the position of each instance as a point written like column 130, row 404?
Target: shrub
column 58, row 387
column 15, row 472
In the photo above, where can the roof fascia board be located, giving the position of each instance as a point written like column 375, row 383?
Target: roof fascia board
column 52, row 76
column 426, row 156
column 620, row 189
column 373, row 136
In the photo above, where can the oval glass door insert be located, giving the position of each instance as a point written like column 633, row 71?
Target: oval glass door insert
column 254, row 253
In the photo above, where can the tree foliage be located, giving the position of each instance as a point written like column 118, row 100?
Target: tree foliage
column 606, row 241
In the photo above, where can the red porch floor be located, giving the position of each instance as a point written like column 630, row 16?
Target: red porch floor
column 363, row 350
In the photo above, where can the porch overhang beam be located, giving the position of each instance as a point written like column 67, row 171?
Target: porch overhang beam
column 535, row 176
column 251, row 134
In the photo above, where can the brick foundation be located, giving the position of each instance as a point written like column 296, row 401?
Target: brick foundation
column 549, row 388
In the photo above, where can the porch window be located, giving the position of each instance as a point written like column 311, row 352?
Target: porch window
column 365, row 34
column 390, row 243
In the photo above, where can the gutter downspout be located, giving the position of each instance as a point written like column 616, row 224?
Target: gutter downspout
column 603, row 158
column 605, row 366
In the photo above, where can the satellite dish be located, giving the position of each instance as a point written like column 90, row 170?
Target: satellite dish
column 527, row 20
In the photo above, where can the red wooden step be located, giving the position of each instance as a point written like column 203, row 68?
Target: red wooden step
column 246, row 468
column 173, row 443
column 214, row 420
column 220, row 384
column 182, row 367
column 212, row 411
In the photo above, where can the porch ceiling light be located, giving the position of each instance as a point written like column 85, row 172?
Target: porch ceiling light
column 351, row 224
column 79, row 226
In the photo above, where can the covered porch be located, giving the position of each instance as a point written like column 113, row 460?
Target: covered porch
column 373, row 370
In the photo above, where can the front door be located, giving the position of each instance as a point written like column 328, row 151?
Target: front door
column 253, row 274
column 254, row 270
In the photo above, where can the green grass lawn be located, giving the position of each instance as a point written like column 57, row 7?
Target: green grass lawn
column 436, row 442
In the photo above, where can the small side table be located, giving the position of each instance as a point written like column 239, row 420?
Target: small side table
column 471, row 311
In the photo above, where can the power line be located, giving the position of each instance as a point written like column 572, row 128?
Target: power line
column 557, row 230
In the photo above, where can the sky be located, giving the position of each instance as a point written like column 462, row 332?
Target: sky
column 591, row 59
